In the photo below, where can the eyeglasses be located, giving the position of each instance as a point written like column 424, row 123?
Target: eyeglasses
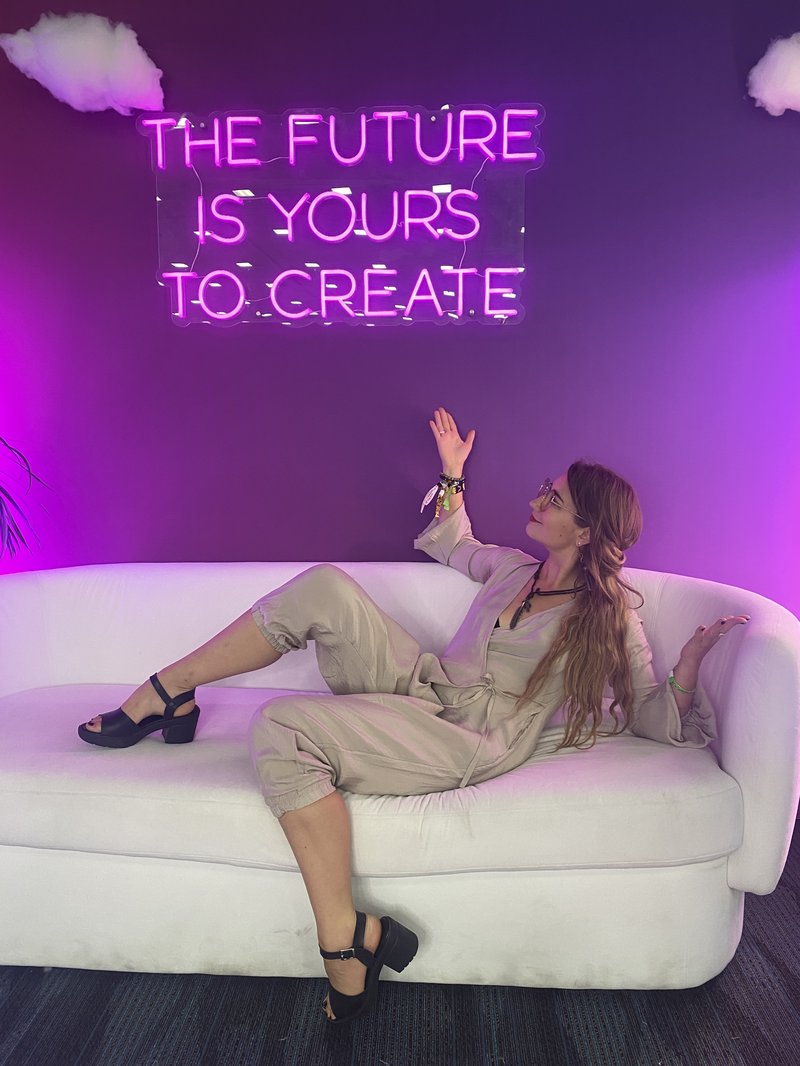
column 548, row 496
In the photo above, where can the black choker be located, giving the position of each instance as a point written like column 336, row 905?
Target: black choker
column 526, row 603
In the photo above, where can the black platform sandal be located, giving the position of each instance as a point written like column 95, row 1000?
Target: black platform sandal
column 117, row 730
column 396, row 949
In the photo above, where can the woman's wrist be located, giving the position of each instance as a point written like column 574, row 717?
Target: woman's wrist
column 685, row 673
column 688, row 665
column 448, row 490
column 450, row 495
column 684, row 676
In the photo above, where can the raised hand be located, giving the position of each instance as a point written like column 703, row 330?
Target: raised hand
column 705, row 637
column 453, row 451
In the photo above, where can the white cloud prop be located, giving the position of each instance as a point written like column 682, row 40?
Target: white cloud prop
column 774, row 82
column 88, row 62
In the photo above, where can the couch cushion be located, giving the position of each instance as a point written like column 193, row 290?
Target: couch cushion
column 628, row 802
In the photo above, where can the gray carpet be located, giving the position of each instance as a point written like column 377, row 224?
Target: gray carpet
column 749, row 1015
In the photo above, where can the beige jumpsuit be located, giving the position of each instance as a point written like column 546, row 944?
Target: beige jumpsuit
column 401, row 721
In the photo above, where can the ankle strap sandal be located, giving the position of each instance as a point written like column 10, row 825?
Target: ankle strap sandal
column 396, row 948
column 117, row 730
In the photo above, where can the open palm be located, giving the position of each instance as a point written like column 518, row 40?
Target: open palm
column 453, row 451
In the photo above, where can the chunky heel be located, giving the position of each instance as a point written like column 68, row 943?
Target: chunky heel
column 181, row 730
column 396, row 948
column 402, row 946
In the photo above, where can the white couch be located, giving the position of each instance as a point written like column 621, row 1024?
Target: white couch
column 624, row 866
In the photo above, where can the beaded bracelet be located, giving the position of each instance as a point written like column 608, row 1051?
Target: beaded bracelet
column 680, row 688
column 445, row 488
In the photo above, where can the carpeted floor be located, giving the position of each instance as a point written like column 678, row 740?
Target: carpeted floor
column 749, row 1015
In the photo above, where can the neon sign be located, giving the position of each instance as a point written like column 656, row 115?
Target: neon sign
column 259, row 221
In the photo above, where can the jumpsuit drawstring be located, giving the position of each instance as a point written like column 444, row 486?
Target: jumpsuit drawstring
column 487, row 686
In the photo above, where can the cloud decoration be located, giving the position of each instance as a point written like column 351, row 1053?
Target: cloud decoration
column 774, row 82
column 88, row 62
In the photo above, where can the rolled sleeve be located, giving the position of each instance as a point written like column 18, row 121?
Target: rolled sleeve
column 451, row 542
column 656, row 714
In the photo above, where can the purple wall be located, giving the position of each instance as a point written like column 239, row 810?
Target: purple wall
column 663, row 299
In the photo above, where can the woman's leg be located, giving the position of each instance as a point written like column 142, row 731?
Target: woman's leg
column 305, row 748
column 236, row 649
column 359, row 647
column 319, row 836
column 319, row 832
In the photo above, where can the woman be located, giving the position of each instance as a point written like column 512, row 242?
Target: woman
column 539, row 634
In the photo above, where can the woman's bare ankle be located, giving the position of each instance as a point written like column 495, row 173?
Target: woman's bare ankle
column 337, row 934
column 175, row 680
column 340, row 936
column 145, row 700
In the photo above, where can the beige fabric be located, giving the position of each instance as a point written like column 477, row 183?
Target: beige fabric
column 383, row 731
column 401, row 721
column 509, row 657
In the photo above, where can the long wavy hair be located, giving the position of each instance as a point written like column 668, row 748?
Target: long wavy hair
column 592, row 637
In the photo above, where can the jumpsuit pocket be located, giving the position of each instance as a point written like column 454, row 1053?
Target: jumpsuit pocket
column 523, row 729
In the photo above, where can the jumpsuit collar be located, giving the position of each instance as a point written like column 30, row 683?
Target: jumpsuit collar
column 487, row 684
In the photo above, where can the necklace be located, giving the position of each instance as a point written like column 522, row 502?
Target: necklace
column 526, row 603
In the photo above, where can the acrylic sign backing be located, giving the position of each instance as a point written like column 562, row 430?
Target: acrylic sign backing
column 378, row 217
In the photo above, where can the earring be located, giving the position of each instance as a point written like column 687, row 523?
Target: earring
column 582, row 563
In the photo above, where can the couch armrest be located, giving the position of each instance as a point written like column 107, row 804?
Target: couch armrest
column 752, row 678
column 759, row 742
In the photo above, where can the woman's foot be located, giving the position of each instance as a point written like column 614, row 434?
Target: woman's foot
column 348, row 976
column 146, row 701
